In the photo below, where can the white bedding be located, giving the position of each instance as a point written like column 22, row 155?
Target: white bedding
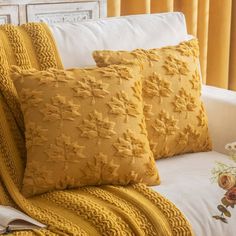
column 185, row 180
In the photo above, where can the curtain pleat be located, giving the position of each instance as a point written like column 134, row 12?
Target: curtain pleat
column 212, row 21
column 129, row 7
column 219, row 43
column 190, row 10
column 202, row 34
column 113, row 7
column 232, row 67
column 162, row 6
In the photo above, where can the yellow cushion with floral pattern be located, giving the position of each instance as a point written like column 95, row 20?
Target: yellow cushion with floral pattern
column 175, row 116
column 84, row 127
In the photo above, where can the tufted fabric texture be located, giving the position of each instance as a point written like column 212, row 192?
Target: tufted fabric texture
column 132, row 210
column 175, row 116
column 68, row 112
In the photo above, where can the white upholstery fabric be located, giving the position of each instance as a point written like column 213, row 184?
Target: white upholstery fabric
column 221, row 110
column 76, row 42
column 185, row 180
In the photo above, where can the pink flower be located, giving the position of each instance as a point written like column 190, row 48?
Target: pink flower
column 231, row 195
column 226, row 181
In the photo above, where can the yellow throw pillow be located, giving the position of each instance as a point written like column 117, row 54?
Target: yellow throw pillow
column 84, row 127
column 175, row 116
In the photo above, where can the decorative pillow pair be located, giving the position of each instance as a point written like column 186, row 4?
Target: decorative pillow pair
column 86, row 126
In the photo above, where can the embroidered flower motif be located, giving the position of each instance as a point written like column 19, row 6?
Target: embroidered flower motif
column 131, row 177
column 155, row 86
column 188, row 139
column 150, row 169
column 137, row 88
column 119, row 72
column 175, row 66
column 19, row 75
column 153, row 146
column 165, row 125
column 130, row 147
column 189, row 48
column 184, row 102
column 225, row 175
column 65, row 151
column 158, row 152
column 122, row 105
column 97, row 127
column 67, row 182
column 89, row 86
column 182, row 139
column 39, row 179
column 226, row 181
column 146, row 55
column 192, row 133
column 30, row 98
column 35, row 135
column 195, row 81
column 100, row 170
column 54, row 77
column 231, row 148
column 60, row 109
column 164, row 152
column 142, row 125
column 202, row 119
column 147, row 109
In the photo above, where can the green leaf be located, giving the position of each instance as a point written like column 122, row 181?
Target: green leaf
column 227, row 213
column 225, row 202
column 221, row 208
column 224, row 220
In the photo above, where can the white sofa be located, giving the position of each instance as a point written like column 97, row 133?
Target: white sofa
column 185, row 178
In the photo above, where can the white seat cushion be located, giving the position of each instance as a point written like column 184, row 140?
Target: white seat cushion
column 185, row 180
column 77, row 41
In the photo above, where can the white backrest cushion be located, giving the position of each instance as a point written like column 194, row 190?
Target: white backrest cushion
column 77, row 41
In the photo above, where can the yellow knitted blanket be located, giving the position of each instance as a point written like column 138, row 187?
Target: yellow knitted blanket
column 107, row 210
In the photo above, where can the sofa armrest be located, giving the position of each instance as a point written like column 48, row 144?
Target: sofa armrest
column 221, row 109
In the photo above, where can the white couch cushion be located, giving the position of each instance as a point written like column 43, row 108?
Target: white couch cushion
column 77, row 41
column 221, row 110
column 185, row 181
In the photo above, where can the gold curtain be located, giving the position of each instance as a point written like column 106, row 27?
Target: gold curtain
column 212, row 21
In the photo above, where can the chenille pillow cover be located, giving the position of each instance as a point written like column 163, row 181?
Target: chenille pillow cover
column 84, row 127
column 175, row 116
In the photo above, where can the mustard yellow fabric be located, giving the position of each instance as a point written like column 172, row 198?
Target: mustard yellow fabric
column 25, row 46
column 213, row 22
column 133, row 210
column 84, row 127
column 175, row 116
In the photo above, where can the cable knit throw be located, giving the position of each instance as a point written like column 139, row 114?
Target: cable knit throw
column 107, row 210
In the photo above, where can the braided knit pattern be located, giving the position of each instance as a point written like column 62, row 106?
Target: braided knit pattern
column 136, row 214
column 6, row 154
column 107, row 222
column 17, row 135
column 178, row 222
column 55, row 223
column 40, row 232
column 5, row 198
column 42, row 44
column 8, row 90
column 17, row 44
